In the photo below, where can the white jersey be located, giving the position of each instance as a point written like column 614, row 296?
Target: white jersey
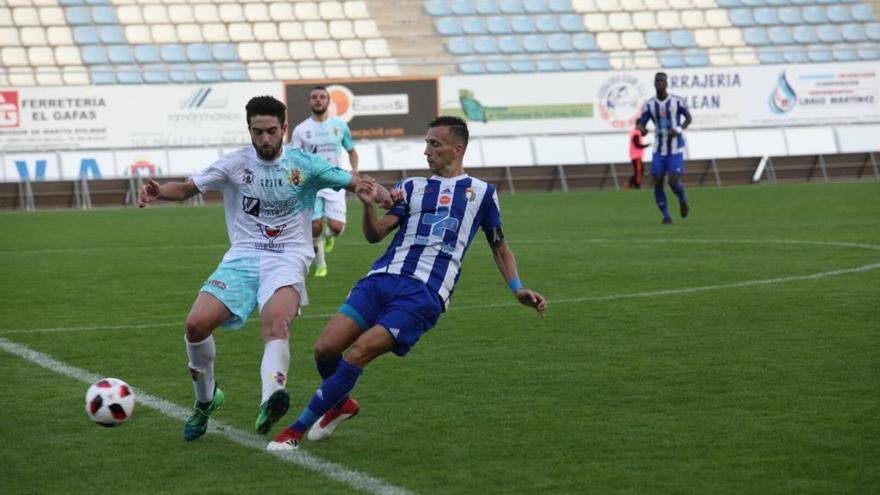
column 326, row 139
column 269, row 204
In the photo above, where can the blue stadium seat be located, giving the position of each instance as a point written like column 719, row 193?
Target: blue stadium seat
column 225, row 52
column 233, row 71
column 65, row 3
column 146, row 54
column 790, row 16
column 499, row 25
column 780, row 35
column 156, row 74
column 535, row 6
column 696, row 57
column 571, row 23
column 463, row 7
column 547, row 23
column 802, row 2
column 486, row 44
column 549, row 65
column 770, row 55
column 598, row 61
column 573, row 64
column 558, row 42
column 104, row 15
column 181, row 73
column 534, row 43
column 805, row 34
column 498, row 66
column 778, row 3
column 868, row 51
column 657, row 40
column 522, row 24
column 129, row 74
column 862, row 13
column 448, row 26
column 522, row 65
column 872, row 30
column 729, row 4
column 682, row 38
column 560, row 6
column 741, row 17
column 815, row 14
column 511, row 6
column 437, row 7
column 584, row 42
column 753, row 3
column 844, row 53
column 473, row 25
column 853, row 32
column 172, row 53
column 829, row 33
column 120, row 54
column 486, row 7
column 102, row 74
column 208, row 73
column 85, row 35
column 839, row 13
column 112, row 34
column 77, row 16
column 93, row 55
column 199, row 52
column 795, row 55
column 97, row 2
column 671, row 59
column 766, row 16
column 510, row 44
column 471, row 67
column 819, row 53
column 459, row 46
column 755, row 36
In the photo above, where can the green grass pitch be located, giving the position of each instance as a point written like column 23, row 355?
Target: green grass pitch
column 735, row 351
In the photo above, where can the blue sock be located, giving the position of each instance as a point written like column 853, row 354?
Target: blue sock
column 660, row 198
column 333, row 390
column 327, row 368
column 678, row 189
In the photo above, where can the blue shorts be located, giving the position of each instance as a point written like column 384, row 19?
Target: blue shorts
column 404, row 306
column 667, row 164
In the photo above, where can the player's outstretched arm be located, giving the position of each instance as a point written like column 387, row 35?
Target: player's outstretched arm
column 506, row 262
column 169, row 191
column 375, row 229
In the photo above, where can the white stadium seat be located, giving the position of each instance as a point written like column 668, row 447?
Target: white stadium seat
column 52, row 16
column 285, row 71
column 291, row 31
column 25, row 16
column 41, row 55
column 301, row 50
column 281, row 11
column 68, row 55
column 49, row 76
column 250, row 52
column 59, row 35
column 206, row 13
column 377, row 48
column 341, row 30
column 366, row 28
column 316, row 30
column 646, row 59
column 596, row 22
column 256, row 12
column 633, row 40
column 620, row 21
column 266, row 31
column 155, row 14
column 241, row 31
column 645, row 20
column 669, row 20
column 352, row 48
column 717, row 18
column 275, row 50
column 609, row 41
column 707, row 38
column 260, row 71
column 327, row 49
column 306, row 11
column 330, row 10
column 356, row 10
column 164, row 33
column 608, row 5
column 231, row 12
column 215, row 33
column 138, row 34
column 33, row 36
column 182, row 14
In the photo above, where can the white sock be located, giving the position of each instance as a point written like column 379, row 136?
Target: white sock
column 273, row 370
column 319, row 251
column 201, row 367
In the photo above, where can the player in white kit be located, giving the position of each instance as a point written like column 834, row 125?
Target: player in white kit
column 325, row 136
column 269, row 192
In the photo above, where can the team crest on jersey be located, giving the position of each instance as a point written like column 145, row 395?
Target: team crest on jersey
column 336, row 131
column 470, row 194
column 272, row 232
column 295, row 177
column 248, row 176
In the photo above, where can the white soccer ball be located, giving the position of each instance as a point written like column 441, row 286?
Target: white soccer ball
column 109, row 402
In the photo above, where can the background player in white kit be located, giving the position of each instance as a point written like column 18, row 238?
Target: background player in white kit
column 325, row 136
column 268, row 193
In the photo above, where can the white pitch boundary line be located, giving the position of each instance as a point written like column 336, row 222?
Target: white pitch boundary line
column 342, row 474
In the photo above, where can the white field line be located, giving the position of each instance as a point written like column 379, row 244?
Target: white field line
column 353, row 478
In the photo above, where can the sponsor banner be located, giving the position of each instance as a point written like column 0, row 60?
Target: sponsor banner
column 719, row 97
column 106, row 117
column 372, row 109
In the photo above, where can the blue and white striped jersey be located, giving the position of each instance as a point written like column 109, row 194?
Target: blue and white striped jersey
column 438, row 219
column 666, row 115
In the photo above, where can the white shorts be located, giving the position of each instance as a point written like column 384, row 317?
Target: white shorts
column 242, row 284
column 330, row 204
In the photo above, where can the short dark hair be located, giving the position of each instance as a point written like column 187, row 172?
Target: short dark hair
column 456, row 126
column 266, row 105
column 322, row 88
column 661, row 74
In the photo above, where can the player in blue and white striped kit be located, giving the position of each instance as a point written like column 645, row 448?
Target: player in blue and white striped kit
column 406, row 289
column 667, row 112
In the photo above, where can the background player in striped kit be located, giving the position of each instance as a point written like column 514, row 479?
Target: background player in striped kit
column 406, row 289
column 667, row 112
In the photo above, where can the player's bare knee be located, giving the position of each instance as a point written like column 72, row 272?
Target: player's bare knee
column 197, row 329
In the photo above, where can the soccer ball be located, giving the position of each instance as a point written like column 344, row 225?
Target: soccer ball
column 109, row 402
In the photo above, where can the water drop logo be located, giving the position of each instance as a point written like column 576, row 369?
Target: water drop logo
column 783, row 98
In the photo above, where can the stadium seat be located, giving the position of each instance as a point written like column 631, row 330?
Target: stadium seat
column 138, row 33
column 805, row 34
column 155, row 14
column 598, row 61
column 693, row 19
column 511, row 6
column 731, row 37
column 646, row 21
column 572, row 64
column 868, row 51
column 620, row 21
column 459, row 46
column 536, row 6
column 498, row 66
column 633, row 40
column 48, row 76
column 78, row 16
column 549, row 65
column 560, row 6
column 366, row 28
column 13, row 56
column 839, row 13
column 682, row 39
column 215, row 32
column 50, row 16
column 462, row 7
column 299, row 50
column 872, row 30
column 510, row 44
column 499, row 25
column 522, row 65
column 233, row 12
column 584, row 42
column 85, row 35
column 658, row 40
column 766, row 16
column 815, row 14
column 437, row 7
column 829, row 33
column 329, row 10
column 559, row 42
column 377, row 48
column 190, row 33
column 58, row 36
column 67, row 55
column 448, row 26
column 485, row 44
column 795, row 55
column 104, row 15
column 181, row 73
column 352, row 49
column 790, row 16
column 94, row 55
column 755, row 36
column 608, row 5
column 780, row 35
column 729, row 4
column 129, row 74
column 208, row 13
column 41, row 56
column 207, row 73
column 571, row 23
column 181, row 13
column 742, row 18
column 316, row 30
column 862, row 12
column 199, row 52
column 146, row 54
column 717, row 18
column 120, row 54
column 609, row 41
column 172, row 53
column 547, row 23
column 233, row 72
column 853, row 32
column 474, row 25
column 844, row 53
column 671, row 59
column 111, row 34
column 259, row 71
column 596, row 22
column 695, row 57
column 669, row 19
column 534, row 43
column 770, row 55
column 163, row 33
column 25, row 16
column 707, row 38
column 486, row 7
column 819, row 53
column 522, row 24
column 9, row 37
column 471, row 67
column 102, row 74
